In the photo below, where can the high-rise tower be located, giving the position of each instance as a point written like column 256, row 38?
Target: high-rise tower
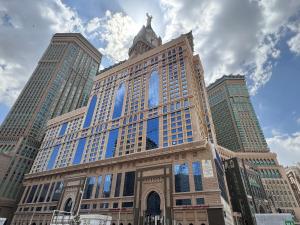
column 238, row 130
column 61, row 82
column 236, row 124
column 140, row 150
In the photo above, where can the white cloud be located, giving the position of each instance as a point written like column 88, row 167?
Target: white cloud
column 294, row 42
column 25, row 32
column 286, row 146
column 298, row 121
column 117, row 31
column 233, row 36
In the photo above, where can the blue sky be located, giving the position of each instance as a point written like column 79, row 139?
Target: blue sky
column 260, row 39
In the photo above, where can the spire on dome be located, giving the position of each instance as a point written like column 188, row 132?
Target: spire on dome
column 145, row 40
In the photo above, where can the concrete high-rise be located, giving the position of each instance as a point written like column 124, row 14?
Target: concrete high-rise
column 236, row 124
column 238, row 130
column 140, row 150
column 61, row 82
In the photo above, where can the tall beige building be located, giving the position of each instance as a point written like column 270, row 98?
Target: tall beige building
column 238, row 130
column 141, row 149
column 61, row 82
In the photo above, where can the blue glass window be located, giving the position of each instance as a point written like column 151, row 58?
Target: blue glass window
column 119, row 101
column 107, row 186
column 90, row 181
column 53, row 157
column 153, row 91
column 197, row 176
column 98, row 186
column 90, row 112
column 112, row 143
column 79, row 151
column 152, row 136
column 181, row 172
column 63, row 129
column 129, row 184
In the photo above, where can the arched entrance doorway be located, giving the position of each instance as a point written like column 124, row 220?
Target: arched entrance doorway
column 153, row 204
column 152, row 213
column 68, row 205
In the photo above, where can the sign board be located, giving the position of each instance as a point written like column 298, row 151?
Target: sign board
column 274, row 219
column 207, row 168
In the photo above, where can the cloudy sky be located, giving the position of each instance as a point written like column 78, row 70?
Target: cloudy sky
column 258, row 38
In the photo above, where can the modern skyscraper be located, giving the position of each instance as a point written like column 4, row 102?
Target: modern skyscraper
column 236, row 124
column 238, row 130
column 139, row 151
column 61, row 82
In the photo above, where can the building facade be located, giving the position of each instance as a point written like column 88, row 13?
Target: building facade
column 239, row 135
column 140, row 152
column 293, row 175
column 247, row 193
column 237, row 127
column 61, row 82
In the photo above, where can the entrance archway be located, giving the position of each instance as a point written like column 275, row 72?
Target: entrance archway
column 153, row 204
column 68, row 205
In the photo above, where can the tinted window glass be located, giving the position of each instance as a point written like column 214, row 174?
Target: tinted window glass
column 90, row 181
column 153, row 91
column 50, row 192
column 43, row 193
column 63, row 129
column 90, row 112
column 31, row 194
column 53, row 156
column 112, row 143
column 197, row 176
column 118, row 184
column 127, row 204
column 119, row 101
column 57, row 191
column 107, row 186
column 183, row 202
column 37, row 193
column 182, row 178
column 152, row 135
column 129, row 184
column 98, row 186
column 79, row 151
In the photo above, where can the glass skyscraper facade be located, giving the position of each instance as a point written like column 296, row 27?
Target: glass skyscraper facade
column 140, row 150
column 61, row 82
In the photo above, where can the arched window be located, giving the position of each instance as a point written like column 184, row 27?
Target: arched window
column 68, row 205
column 153, row 90
column 90, row 112
column 119, row 101
column 153, row 204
